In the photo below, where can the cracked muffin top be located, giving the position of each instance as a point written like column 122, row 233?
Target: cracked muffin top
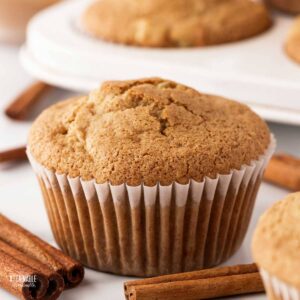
column 147, row 131
column 176, row 23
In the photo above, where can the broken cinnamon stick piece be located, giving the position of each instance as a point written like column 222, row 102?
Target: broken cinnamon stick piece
column 22, row 105
column 55, row 281
column 70, row 269
column 204, row 284
column 284, row 170
column 20, row 279
column 13, row 154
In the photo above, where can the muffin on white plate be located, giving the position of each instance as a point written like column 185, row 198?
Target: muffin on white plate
column 176, row 23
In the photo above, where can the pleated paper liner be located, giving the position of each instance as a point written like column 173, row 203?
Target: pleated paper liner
column 277, row 289
column 148, row 231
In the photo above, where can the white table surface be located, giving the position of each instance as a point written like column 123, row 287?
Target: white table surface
column 20, row 198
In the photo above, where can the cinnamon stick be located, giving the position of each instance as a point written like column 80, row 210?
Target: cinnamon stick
column 204, row 284
column 20, row 279
column 284, row 170
column 22, row 105
column 13, row 154
column 71, row 270
column 55, row 284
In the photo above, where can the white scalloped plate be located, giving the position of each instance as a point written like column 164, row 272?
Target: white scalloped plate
column 255, row 71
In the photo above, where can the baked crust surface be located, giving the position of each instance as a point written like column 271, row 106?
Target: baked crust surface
column 176, row 23
column 147, row 131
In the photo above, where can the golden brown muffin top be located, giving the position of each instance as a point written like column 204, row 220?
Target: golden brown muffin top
column 158, row 23
column 293, row 41
column 276, row 241
column 147, row 130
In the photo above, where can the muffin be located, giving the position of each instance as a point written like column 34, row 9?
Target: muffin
column 14, row 16
column 289, row 6
column 276, row 248
column 293, row 41
column 149, row 177
column 177, row 23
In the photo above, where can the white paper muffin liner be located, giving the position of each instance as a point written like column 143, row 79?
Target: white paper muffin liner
column 277, row 289
column 148, row 231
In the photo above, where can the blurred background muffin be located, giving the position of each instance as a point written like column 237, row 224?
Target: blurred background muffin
column 179, row 23
column 293, row 41
column 14, row 16
column 290, row 6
